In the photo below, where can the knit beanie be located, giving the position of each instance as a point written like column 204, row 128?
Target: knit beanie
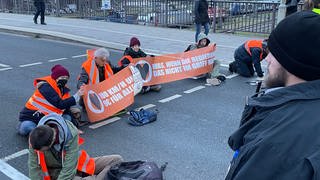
column 57, row 71
column 134, row 41
column 295, row 44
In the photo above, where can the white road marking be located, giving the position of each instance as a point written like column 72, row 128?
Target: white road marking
column 82, row 55
column 144, row 107
column 15, row 155
column 4, row 65
column 224, row 65
column 4, row 69
column 11, row 172
column 103, row 123
column 170, row 98
column 31, row 64
column 232, row 75
column 193, row 89
column 54, row 60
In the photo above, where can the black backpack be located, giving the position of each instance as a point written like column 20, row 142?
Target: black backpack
column 135, row 170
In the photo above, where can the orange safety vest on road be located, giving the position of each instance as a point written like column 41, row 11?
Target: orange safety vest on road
column 85, row 163
column 125, row 57
column 91, row 69
column 37, row 102
column 254, row 44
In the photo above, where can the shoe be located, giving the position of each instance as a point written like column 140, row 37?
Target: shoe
column 35, row 21
column 156, row 88
column 145, row 89
column 214, row 81
column 231, row 68
column 43, row 23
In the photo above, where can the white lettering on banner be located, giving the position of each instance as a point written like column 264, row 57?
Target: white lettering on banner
column 157, row 66
column 173, row 70
column 185, row 61
column 199, row 64
column 187, row 67
column 117, row 92
column 157, row 73
column 173, row 63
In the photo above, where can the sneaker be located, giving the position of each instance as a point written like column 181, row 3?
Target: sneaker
column 43, row 23
column 145, row 89
column 156, row 88
column 35, row 21
column 214, row 81
column 231, row 68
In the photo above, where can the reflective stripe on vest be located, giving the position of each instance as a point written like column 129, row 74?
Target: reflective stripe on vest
column 43, row 165
column 125, row 57
column 316, row 10
column 37, row 102
column 91, row 69
column 85, row 163
column 254, row 44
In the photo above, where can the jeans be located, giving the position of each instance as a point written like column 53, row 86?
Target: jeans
column 25, row 127
column 198, row 29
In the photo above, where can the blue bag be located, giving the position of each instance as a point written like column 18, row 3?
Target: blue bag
column 142, row 117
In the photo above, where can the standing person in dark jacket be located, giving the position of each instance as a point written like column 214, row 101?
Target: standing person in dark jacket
column 201, row 17
column 51, row 96
column 248, row 55
column 40, row 7
column 279, row 129
column 134, row 51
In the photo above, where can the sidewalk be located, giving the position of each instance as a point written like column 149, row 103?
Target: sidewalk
column 154, row 40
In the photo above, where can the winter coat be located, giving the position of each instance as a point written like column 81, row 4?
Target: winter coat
column 196, row 46
column 59, row 168
column 201, row 12
column 278, row 136
column 129, row 51
column 242, row 55
column 53, row 98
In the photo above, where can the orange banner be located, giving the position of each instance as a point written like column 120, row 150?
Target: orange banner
column 104, row 99
column 173, row 67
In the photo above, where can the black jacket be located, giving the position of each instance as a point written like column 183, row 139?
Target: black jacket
column 201, row 12
column 129, row 51
column 53, row 98
column 241, row 54
column 278, row 137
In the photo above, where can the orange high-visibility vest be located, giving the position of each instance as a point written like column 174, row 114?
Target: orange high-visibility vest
column 37, row 102
column 85, row 163
column 254, row 44
column 125, row 57
column 91, row 69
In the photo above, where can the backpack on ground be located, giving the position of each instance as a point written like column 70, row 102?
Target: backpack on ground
column 142, row 117
column 135, row 170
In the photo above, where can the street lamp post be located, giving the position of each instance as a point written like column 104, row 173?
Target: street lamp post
column 282, row 11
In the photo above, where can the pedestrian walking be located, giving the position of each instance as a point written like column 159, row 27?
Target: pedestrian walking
column 40, row 10
column 201, row 17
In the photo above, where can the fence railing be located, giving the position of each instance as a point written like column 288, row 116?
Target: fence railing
column 225, row 16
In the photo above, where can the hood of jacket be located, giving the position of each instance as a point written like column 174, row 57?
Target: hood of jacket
column 64, row 132
column 203, row 36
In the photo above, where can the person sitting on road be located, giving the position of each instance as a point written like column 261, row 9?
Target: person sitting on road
column 248, row 55
column 96, row 69
column 214, row 77
column 134, row 51
column 51, row 95
column 54, row 153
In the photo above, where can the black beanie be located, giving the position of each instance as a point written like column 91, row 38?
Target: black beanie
column 295, row 43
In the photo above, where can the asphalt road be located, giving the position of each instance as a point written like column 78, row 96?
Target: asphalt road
column 190, row 134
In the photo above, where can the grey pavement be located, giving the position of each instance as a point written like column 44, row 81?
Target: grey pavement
column 154, row 40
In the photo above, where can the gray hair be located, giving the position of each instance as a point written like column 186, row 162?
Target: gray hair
column 102, row 52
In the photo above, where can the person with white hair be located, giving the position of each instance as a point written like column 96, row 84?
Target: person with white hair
column 97, row 69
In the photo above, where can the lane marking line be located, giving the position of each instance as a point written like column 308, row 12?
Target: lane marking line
column 224, row 65
column 59, row 59
column 232, row 75
column 170, row 98
column 4, row 69
column 103, row 123
column 193, row 89
column 82, row 55
column 11, row 172
column 31, row 64
column 15, row 155
column 143, row 107
column 4, row 65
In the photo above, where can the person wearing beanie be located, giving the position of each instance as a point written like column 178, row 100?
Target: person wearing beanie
column 214, row 77
column 51, row 95
column 277, row 136
column 248, row 56
column 134, row 51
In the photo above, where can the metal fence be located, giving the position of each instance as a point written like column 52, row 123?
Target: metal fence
column 225, row 16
